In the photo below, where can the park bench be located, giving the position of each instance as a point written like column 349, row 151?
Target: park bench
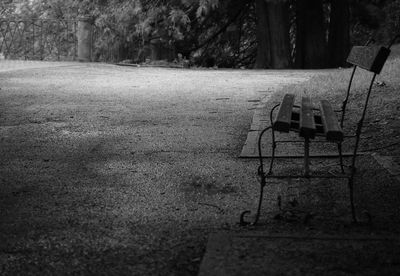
column 320, row 122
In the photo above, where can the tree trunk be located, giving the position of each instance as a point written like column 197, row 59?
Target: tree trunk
column 310, row 35
column 278, row 15
column 339, row 37
column 156, row 51
column 273, row 49
column 263, row 59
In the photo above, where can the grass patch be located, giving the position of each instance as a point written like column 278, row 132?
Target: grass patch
column 333, row 85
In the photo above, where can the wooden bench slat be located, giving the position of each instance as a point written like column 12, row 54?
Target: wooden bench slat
column 307, row 123
column 371, row 58
column 332, row 129
column 284, row 117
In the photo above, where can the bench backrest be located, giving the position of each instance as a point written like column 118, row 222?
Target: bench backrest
column 371, row 58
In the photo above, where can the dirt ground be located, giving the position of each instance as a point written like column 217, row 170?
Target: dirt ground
column 122, row 170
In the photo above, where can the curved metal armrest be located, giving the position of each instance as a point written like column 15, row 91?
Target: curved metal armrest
column 272, row 113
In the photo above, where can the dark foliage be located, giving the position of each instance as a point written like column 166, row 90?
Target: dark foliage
column 223, row 33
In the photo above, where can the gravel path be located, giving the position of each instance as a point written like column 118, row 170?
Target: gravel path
column 122, row 170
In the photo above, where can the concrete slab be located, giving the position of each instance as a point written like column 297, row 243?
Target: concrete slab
column 253, row 253
column 389, row 163
column 250, row 146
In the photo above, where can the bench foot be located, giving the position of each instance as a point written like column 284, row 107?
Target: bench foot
column 242, row 220
column 262, row 176
column 244, row 214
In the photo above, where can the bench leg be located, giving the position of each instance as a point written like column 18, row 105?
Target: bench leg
column 353, row 161
column 341, row 157
column 351, row 194
column 273, row 152
column 306, row 157
column 273, row 139
column 260, row 199
column 262, row 176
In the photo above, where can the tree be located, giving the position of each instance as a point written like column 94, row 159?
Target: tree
column 273, row 49
column 310, row 34
column 391, row 25
column 263, row 59
column 278, row 13
column 339, row 33
column 6, row 7
column 229, row 33
column 224, row 36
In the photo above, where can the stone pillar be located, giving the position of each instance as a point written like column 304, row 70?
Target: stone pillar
column 85, row 35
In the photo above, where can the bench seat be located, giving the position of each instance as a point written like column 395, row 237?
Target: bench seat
column 307, row 120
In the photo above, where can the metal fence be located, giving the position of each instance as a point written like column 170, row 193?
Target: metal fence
column 38, row 39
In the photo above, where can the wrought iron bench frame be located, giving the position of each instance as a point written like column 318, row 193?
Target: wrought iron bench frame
column 368, row 57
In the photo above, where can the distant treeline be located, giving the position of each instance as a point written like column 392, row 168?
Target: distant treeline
column 224, row 33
